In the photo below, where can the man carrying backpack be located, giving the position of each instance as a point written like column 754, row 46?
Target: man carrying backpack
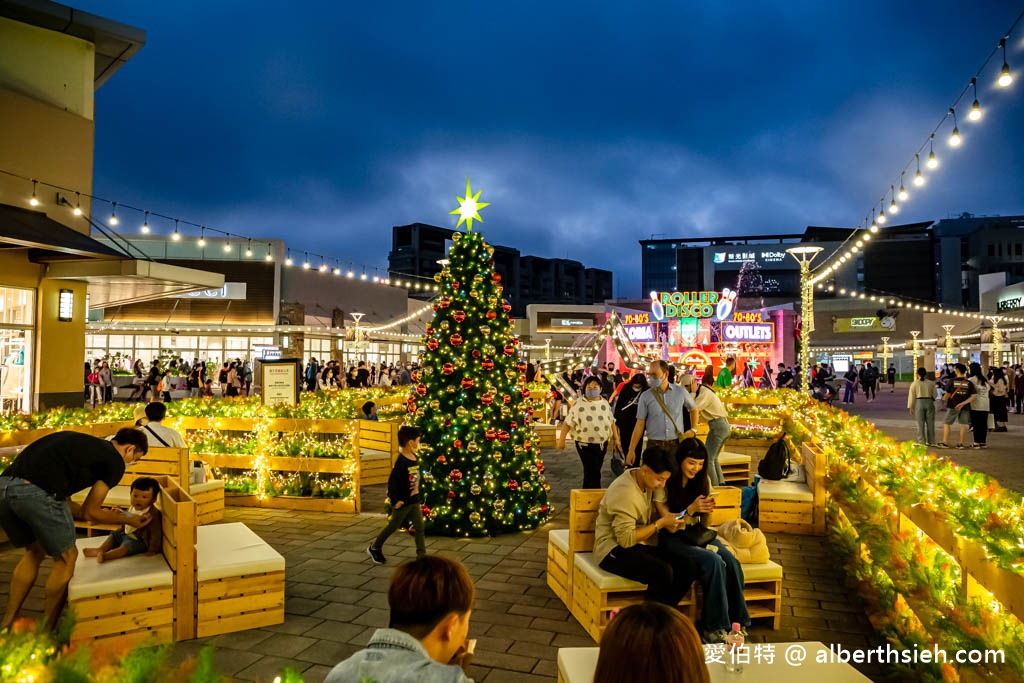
column 850, row 390
column 870, row 381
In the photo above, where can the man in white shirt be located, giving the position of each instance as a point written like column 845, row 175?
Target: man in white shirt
column 158, row 435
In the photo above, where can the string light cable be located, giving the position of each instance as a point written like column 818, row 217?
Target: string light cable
column 408, row 281
column 862, row 234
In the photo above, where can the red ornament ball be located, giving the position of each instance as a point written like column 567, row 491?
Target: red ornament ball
column 441, row 460
column 509, row 350
column 503, row 436
column 432, row 344
column 506, row 307
column 451, row 495
column 444, row 302
column 459, row 316
column 487, row 399
column 415, row 377
column 435, row 307
column 491, row 315
column 515, row 340
column 455, row 475
column 447, row 368
column 456, row 284
column 476, row 353
column 457, row 443
column 421, row 389
column 487, row 364
column 490, row 435
column 411, row 407
column 513, row 485
column 513, row 424
column 526, row 393
column 456, row 339
column 496, row 277
column 521, row 366
column 467, row 382
column 425, row 510
column 506, row 398
column 544, row 508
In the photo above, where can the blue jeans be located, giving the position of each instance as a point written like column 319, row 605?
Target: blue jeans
column 29, row 514
column 848, row 393
column 718, row 432
column 721, row 579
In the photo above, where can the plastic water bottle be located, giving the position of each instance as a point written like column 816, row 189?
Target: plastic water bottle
column 733, row 643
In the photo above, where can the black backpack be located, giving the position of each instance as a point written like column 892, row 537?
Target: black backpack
column 776, row 464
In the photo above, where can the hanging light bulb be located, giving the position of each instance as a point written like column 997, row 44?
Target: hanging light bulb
column 918, row 178
column 175, row 236
column 362, row 277
column 113, row 214
column 33, row 200
column 288, row 261
column 874, row 223
column 954, row 138
column 78, row 204
column 305, row 264
column 1005, row 77
column 248, row 249
column 903, row 196
column 323, row 267
column 975, row 113
column 350, row 275
column 145, row 225
column 881, row 213
column 932, row 162
column 202, row 236
column 270, row 254
column 227, row 244
column 893, row 208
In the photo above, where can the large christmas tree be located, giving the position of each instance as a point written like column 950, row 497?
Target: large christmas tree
column 480, row 465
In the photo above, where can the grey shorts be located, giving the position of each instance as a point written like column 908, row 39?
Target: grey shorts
column 953, row 415
column 29, row 514
column 134, row 545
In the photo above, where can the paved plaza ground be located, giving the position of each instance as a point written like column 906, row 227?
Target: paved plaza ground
column 336, row 596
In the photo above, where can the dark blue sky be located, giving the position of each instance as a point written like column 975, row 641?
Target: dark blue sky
column 589, row 125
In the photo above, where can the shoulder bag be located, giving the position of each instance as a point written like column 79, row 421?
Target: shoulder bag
column 661, row 402
column 697, row 534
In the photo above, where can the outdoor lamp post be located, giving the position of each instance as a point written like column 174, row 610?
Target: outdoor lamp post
column 804, row 254
column 547, row 349
column 914, row 334
column 885, row 354
column 355, row 335
column 997, row 342
column 949, row 341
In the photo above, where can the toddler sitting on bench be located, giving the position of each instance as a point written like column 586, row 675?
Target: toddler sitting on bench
column 133, row 540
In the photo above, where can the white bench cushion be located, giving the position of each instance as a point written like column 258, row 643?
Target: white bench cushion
column 577, row 664
column 560, row 539
column 605, row 580
column 116, row 576
column 119, row 496
column 233, row 549
column 373, row 454
column 727, row 458
column 784, row 490
column 206, row 486
column 762, row 572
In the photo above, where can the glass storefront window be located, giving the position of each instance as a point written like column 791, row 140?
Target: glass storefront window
column 17, row 315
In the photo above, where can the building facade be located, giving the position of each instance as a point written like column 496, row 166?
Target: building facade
column 416, row 250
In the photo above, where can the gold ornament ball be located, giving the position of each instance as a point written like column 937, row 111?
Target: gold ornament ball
column 478, row 280
column 456, row 237
column 474, row 517
column 461, row 411
column 473, row 447
column 485, row 330
column 475, row 489
column 437, row 277
column 497, row 456
column 474, row 293
column 478, row 415
column 450, row 389
column 435, row 404
column 444, row 325
column 499, row 505
column 510, row 373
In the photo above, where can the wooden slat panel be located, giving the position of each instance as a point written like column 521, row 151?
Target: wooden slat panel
column 119, row 603
column 241, row 622
column 118, row 623
column 251, row 583
column 227, row 607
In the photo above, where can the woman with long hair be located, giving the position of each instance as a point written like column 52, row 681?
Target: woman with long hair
column 626, row 403
column 999, row 399
column 688, row 492
column 980, row 407
column 651, row 642
column 712, row 411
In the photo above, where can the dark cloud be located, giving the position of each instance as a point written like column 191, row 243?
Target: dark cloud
column 588, row 125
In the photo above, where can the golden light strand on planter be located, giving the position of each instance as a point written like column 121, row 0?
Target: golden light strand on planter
column 264, row 445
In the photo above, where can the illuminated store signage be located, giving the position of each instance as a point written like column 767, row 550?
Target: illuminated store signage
column 637, row 318
column 748, row 332
column 666, row 305
column 769, row 256
column 642, row 333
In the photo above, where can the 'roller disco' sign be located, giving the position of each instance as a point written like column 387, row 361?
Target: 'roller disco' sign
column 665, row 305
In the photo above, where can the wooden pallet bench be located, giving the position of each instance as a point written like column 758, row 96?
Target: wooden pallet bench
column 374, row 466
column 239, row 581
column 735, row 467
column 140, row 598
column 591, row 593
column 794, row 507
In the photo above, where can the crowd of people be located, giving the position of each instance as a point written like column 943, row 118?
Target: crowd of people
column 330, row 375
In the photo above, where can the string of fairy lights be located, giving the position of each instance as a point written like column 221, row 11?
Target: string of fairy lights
column 926, row 307
column 896, row 193
column 229, row 242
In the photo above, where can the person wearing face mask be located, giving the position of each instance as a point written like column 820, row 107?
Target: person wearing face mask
column 592, row 424
column 660, row 413
column 626, row 404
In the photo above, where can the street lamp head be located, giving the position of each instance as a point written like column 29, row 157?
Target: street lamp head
column 805, row 250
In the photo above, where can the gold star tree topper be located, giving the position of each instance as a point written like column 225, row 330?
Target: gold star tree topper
column 469, row 207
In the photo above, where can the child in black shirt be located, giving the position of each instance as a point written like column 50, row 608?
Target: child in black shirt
column 404, row 493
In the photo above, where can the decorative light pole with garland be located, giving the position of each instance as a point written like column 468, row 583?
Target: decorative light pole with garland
column 481, row 472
